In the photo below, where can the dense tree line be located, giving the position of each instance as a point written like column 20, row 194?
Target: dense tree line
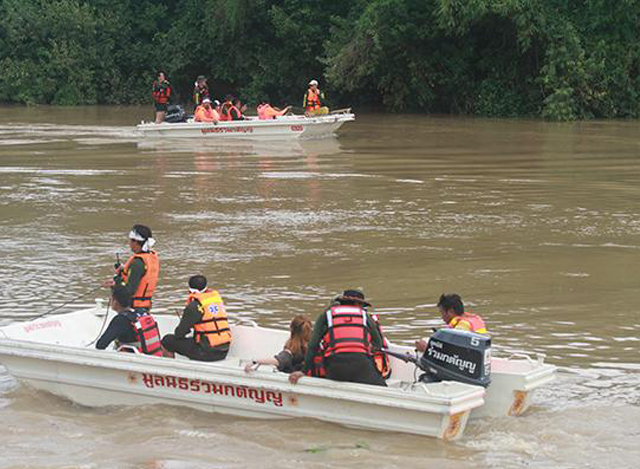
column 559, row 59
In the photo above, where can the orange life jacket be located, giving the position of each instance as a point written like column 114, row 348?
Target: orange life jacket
column 143, row 294
column 347, row 331
column 380, row 358
column 312, row 100
column 202, row 114
column 475, row 321
column 147, row 335
column 214, row 326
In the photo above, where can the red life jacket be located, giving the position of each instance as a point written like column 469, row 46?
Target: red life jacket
column 347, row 331
column 147, row 335
column 380, row 358
column 161, row 93
column 475, row 321
column 229, row 112
column 318, row 369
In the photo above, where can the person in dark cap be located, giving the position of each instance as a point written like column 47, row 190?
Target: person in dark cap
column 139, row 275
column 349, row 336
column 200, row 90
column 206, row 316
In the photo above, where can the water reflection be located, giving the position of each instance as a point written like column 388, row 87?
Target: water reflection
column 238, row 147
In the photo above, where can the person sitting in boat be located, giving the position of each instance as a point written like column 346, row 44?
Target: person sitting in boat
column 453, row 314
column 229, row 111
column 200, row 90
column 312, row 103
column 242, row 108
column 266, row 111
column 291, row 358
column 161, row 94
column 206, row 316
column 129, row 327
column 139, row 275
column 349, row 335
column 206, row 113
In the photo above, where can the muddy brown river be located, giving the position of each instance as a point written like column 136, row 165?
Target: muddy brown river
column 535, row 224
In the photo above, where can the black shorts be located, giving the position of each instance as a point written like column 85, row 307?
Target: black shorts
column 160, row 107
column 353, row 367
column 189, row 348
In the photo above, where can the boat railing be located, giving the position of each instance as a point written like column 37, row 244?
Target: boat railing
column 346, row 110
column 248, row 321
column 538, row 360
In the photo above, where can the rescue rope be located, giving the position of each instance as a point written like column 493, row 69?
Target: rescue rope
column 68, row 303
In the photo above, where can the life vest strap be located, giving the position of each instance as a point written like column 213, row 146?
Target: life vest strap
column 218, row 331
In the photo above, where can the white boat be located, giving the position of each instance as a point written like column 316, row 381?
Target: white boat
column 285, row 127
column 56, row 354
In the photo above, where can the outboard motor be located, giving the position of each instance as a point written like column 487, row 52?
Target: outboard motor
column 458, row 356
column 175, row 113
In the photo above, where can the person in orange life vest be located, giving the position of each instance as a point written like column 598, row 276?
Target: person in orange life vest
column 161, row 93
column 206, row 113
column 349, row 335
column 206, row 316
column 266, row 111
column 312, row 101
column 240, row 108
column 140, row 273
column 452, row 312
column 129, row 327
column 218, row 107
column 291, row 358
column 229, row 110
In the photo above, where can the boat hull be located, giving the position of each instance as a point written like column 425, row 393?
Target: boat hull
column 96, row 378
column 287, row 127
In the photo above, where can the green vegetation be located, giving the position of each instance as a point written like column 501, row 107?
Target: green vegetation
column 557, row 59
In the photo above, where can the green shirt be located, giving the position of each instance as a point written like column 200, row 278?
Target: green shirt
column 137, row 270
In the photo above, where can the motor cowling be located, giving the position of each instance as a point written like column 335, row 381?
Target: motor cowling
column 175, row 113
column 458, row 356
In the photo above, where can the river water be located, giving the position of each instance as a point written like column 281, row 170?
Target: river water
column 535, row 224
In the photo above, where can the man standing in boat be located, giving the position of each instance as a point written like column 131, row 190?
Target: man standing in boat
column 161, row 93
column 128, row 327
column 206, row 316
column 349, row 335
column 453, row 314
column 312, row 101
column 139, row 275
column 200, row 90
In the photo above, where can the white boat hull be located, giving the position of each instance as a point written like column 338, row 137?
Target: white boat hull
column 286, row 127
column 33, row 353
